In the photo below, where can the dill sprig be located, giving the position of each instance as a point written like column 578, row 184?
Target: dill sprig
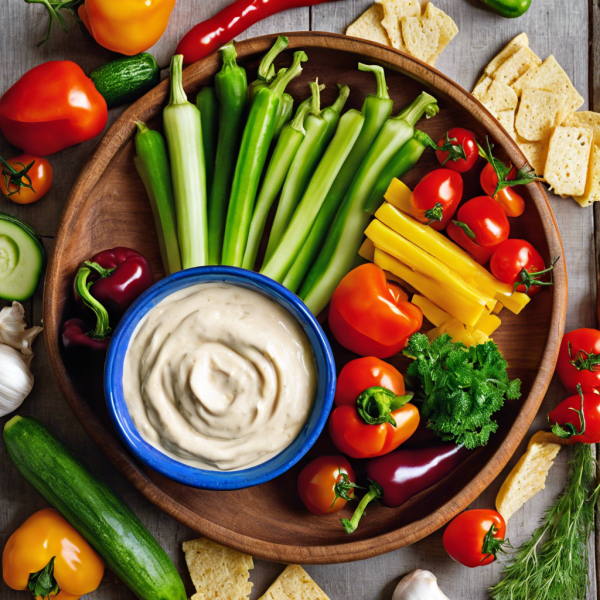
column 559, row 569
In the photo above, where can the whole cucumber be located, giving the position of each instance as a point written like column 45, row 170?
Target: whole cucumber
column 104, row 520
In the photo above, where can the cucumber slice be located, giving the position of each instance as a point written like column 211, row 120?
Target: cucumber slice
column 21, row 259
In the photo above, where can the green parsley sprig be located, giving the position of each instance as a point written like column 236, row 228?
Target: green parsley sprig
column 461, row 388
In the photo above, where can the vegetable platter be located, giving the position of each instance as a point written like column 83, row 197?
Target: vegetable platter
column 108, row 207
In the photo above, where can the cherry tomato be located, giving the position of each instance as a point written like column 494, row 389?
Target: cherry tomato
column 363, row 373
column 579, row 360
column 509, row 260
column 326, row 484
column 511, row 202
column 34, row 184
column 486, row 222
column 479, row 253
column 568, row 416
column 474, row 537
column 436, row 197
column 465, row 138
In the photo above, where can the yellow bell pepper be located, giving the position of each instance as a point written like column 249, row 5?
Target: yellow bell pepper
column 126, row 26
column 50, row 558
column 434, row 314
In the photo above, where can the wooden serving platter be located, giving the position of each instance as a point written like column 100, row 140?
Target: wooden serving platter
column 108, row 207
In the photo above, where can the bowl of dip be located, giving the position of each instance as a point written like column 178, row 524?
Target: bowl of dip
column 219, row 378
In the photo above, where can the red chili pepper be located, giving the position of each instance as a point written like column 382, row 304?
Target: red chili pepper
column 368, row 316
column 76, row 334
column 397, row 477
column 52, row 107
column 208, row 36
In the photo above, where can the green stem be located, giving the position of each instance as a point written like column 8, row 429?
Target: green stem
column 43, row 584
column 266, row 66
column 104, row 273
column 278, row 86
column 102, row 329
column 382, row 89
column 425, row 104
column 176, row 71
column 344, row 92
column 375, row 492
column 315, row 98
column 567, row 430
column 376, row 405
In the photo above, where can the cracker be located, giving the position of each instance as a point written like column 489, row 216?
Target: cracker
column 368, row 26
column 513, row 46
column 447, row 28
column 592, row 186
column 393, row 11
column 294, row 584
column 535, row 153
column 217, row 572
column 499, row 97
column 517, row 65
column 538, row 113
column 481, row 87
column 585, row 118
column 506, row 118
column 568, row 158
column 421, row 37
column 528, row 476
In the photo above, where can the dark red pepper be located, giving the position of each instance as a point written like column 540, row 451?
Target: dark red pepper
column 76, row 334
column 400, row 475
column 210, row 35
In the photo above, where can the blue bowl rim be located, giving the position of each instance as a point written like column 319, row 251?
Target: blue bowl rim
column 187, row 474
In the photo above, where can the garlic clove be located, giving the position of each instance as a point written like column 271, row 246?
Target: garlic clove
column 419, row 585
column 16, row 380
column 13, row 330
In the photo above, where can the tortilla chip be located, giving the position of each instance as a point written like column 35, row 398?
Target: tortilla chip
column 447, row 28
column 216, row 571
column 535, row 153
column 393, row 11
column 294, row 584
column 368, row 26
column 585, row 118
column 568, row 159
column 592, row 186
column 528, row 476
column 538, row 113
column 511, row 48
column 421, row 37
column 517, row 65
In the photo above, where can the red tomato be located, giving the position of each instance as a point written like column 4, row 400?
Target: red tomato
column 479, row 253
column 511, row 202
column 326, row 484
column 579, row 360
column 509, row 260
column 464, row 138
column 33, row 185
column 53, row 106
column 363, row 373
column 568, row 415
column 436, row 197
column 474, row 537
column 486, row 221
column 366, row 317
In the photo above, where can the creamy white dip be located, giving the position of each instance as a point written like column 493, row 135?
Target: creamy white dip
column 219, row 377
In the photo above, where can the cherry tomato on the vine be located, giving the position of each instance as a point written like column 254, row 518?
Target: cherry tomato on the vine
column 27, row 179
column 462, row 157
column 484, row 221
column 474, row 537
column 436, row 197
column 511, row 202
column 326, row 484
column 579, row 360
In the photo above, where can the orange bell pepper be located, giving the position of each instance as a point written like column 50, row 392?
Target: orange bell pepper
column 50, row 558
column 126, row 26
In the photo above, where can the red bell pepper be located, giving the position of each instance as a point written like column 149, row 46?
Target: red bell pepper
column 76, row 334
column 397, row 477
column 368, row 316
column 577, row 419
column 53, row 106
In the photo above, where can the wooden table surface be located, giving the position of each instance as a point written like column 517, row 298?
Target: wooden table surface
column 565, row 29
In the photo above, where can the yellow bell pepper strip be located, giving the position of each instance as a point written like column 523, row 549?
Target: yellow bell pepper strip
column 126, row 26
column 50, row 558
column 398, row 194
column 434, row 314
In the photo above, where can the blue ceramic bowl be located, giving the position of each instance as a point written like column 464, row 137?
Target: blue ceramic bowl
column 202, row 478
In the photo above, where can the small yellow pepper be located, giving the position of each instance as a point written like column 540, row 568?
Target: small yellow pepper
column 126, row 26
column 50, row 558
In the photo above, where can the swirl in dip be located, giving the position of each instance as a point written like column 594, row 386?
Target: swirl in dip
column 219, row 377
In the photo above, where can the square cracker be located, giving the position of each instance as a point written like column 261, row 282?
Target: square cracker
column 535, row 153
column 538, row 113
column 217, row 572
column 393, row 11
column 506, row 118
column 368, row 26
column 294, row 584
column 421, row 37
column 513, row 46
column 446, row 26
column 481, row 87
column 568, row 159
column 585, row 118
column 499, row 97
column 517, row 65
column 592, row 186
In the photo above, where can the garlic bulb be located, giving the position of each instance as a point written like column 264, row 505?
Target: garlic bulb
column 419, row 585
column 13, row 330
column 16, row 380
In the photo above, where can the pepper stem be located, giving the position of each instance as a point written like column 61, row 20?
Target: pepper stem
column 102, row 328
column 376, row 404
column 468, row 231
column 436, row 213
column 315, row 97
column 266, row 69
column 375, row 492
column 424, row 104
column 567, row 431
column 142, row 127
column 305, row 107
column 344, row 487
column 382, row 90
column 42, row 584
column 104, row 273
column 338, row 105
column 178, row 96
column 280, row 83
column 424, row 139
column 228, row 56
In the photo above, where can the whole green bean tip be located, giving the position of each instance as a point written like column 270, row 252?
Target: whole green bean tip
column 377, row 70
column 177, row 96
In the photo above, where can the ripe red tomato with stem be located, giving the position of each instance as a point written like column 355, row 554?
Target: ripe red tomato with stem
column 579, row 360
column 475, row 537
column 326, row 484
column 458, row 150
column 25, row 178
column 577, row 419
column 436, row 198
column 483, row 221
column 519, row 264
